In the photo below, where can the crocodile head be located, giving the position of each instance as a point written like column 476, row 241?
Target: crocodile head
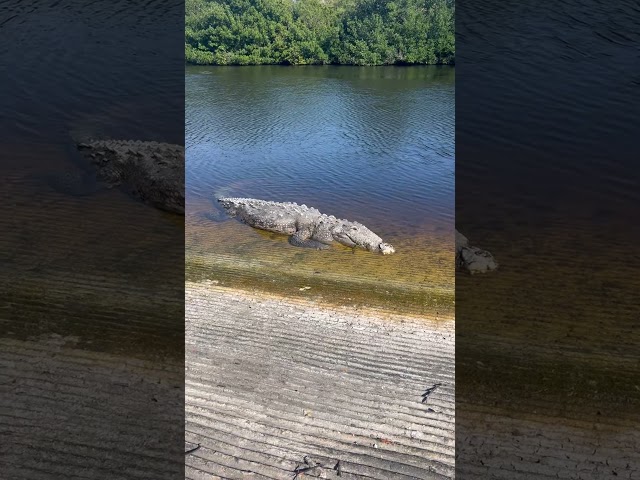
column 386, row 248
column 355, row 234
column 476, row 260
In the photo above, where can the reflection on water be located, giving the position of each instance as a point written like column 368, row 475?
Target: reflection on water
column 374, row 145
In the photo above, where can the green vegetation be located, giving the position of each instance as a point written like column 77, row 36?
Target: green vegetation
column 307, row 32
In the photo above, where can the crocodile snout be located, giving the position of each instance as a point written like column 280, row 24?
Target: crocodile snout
column 386, row 249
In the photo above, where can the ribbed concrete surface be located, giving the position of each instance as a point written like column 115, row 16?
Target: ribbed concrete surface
column 269, row 382
column 68, row 413
column 496, row 445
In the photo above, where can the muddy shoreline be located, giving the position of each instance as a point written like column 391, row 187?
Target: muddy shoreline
column 321, row 284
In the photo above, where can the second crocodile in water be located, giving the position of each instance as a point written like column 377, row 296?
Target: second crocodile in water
column 306, row 226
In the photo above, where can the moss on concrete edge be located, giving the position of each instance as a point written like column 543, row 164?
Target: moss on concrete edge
column 393, row 297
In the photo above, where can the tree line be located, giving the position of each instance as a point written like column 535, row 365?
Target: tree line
column 316, row 32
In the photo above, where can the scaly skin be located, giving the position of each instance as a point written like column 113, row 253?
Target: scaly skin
column 306, row 226
column 152, row 171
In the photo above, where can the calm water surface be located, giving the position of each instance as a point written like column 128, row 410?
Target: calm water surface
column 547, row 166
column 93, row 60
column 547, row 178
column 375, row 145
column 67, row 64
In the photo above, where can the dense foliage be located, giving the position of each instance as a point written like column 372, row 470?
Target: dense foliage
column 299, row 32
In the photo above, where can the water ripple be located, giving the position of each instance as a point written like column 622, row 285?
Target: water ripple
column 69, row 38
column 506, row 59
column 378, row 140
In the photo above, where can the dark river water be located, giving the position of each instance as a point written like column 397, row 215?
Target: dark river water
column 547, row 156
column 375, row 145
column 108, row 68
column 66, row 60
column 547, row 178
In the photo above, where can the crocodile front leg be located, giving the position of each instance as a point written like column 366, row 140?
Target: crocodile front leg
column 302, row 238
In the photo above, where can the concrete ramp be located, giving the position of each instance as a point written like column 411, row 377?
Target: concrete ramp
column 275, row 387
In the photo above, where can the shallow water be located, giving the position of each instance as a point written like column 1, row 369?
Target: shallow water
column 374, row 145
column 552, row 194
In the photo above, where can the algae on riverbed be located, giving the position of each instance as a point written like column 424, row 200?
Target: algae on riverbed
column 540, row 342
column 409, row 281
column 250, row 259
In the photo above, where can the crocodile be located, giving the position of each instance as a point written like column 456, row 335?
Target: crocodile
column 306, row 226
column 152, row 172
column 473, row 259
